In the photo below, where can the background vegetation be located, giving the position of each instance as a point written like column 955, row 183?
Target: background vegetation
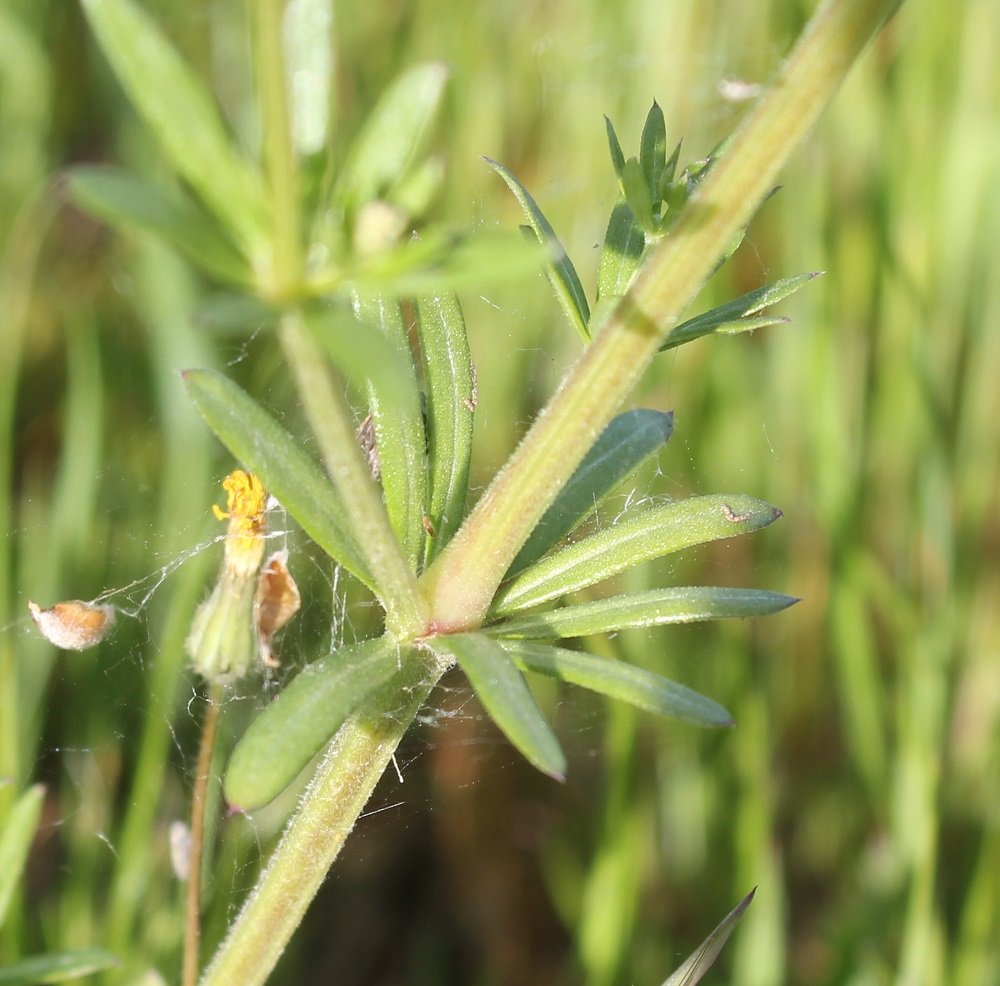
column 860, row 790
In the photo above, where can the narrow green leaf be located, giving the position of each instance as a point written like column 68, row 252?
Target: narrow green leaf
column 264, row 447
column 371, row 349
column 624, row 244
column 506, row 697
column 740, row 314
column 395, row 136
column 666, row 179
column 653, row 151
column 560, row 270
column 619, row 680
column 450, row 386
column 629, row 440
column 308, row 37
column 296, row 725
column 441, row 263
column 615, row 149
column 700, row 961
column 656, row 607
column 636, row 538
column 125, row 200
column 15, row 841
column 638, row 196
column 56, row 967
column 182, row 116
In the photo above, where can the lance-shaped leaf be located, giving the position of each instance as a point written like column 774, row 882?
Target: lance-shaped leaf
column 653, row 151
column 372, row 351
column 656, row 607
column 440, row 262
column 121, row 199
column 57, row 967
column 560, row 270
column 638, row 537
column 265, row 448
column 182, row 116
column 16, row 837
column 308, row 38
column 739, row 315
column 395, row 136
column 624, row 244
column 296, row 725
column 450, row 386
column 506, row 697
column 615, row 149
column 700, row 961
column 618, row 680
column 629, row 440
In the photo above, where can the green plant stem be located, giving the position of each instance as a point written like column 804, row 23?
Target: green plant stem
column 461, row 583
column 192, row 897
column 354, row 761
column 330, row 421
column 285, row 275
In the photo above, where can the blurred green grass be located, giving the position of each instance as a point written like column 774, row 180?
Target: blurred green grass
column 860, row 789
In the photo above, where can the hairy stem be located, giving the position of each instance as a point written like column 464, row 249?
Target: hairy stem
column 355, row 760
column 330, row 421
column 462, row 581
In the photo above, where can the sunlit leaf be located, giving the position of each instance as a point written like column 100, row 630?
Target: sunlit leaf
column 655, row 607
column 16, row 837
column 739, row 315
column 637, row 537
column 615, row 149
column 395, row 136
column 182, row 116
column 506, row 697
column 624, row 244
column 307, row 31
column 618, row 680
column 700, row 961
column 442, row 263
column 450, row 386
column 560, row 270
column 629, row 440
column 124, row 200
column 257, row 441
column 296, row 725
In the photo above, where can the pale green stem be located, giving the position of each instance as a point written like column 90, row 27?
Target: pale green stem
column 352, row 766
column 461, row 583
column 279, row 155
column 330, row 420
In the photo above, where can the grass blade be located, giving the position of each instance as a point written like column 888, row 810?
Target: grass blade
column 656, row 607
column 629, row 440
column 560, row 271
column 296, row 725
column 265, row 448
column 182, row 117
column 450, row 385
column 506, row 697
column 619, row 680
column 16, row 837
column 636, row 538
column 700, row 961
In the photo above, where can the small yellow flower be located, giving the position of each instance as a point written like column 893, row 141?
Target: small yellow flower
column 221, row 642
